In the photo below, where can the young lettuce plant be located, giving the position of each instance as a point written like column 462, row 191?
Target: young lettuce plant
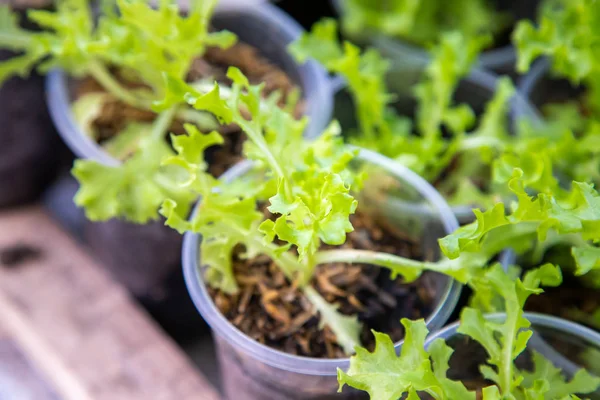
column 567, row 32
column 422, row 21
column 443, row 141
column 386, row 376
column 142, row 43
column 143, row 40
column 464, row 163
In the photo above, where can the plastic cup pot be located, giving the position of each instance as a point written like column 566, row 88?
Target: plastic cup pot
column 500, row 59
column 251, row 370
column 569, row 346
column 143, row 256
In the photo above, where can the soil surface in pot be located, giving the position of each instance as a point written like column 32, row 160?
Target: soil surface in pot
column 273, row 311
column 115, row 115
column 571, row 300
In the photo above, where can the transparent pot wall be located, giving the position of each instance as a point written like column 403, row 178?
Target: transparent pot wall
column 567, row 345
column 253, row 371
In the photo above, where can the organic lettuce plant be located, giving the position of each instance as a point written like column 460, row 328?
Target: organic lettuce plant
column 386, row 376
column 422, row 21
column 567, row 32
column 465, row 156
column 142, row 43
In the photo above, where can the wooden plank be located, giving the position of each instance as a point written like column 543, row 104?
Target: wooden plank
column 78, row 327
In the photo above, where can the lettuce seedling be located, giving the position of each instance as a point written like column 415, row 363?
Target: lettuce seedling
column 567, row 32
column 141, row 42
column 469, row 165
column 445, row 146
column 422, row 21
column 386, row 376
column 307, row 185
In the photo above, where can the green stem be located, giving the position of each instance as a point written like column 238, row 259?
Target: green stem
column 507, row 352
column 346, row 328
column 162, row 123
column 14, row 41
column 108, row 82
column 369, row 257
column 408, row 268
column 476, row 142
column 309, row 266
column 204, row 120
column 288, row 264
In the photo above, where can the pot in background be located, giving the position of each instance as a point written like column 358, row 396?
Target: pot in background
column 475, row 90
column 145, row 256
column 253, row 371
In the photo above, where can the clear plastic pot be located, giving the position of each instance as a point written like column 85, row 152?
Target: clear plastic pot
column 414, row 58
column 251, row 370
column 569, row 346
column 157, row 248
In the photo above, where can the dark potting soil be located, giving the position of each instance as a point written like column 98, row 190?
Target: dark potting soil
column 551, row 91
column 213, row 65
column 571, row 300
column 273, row 311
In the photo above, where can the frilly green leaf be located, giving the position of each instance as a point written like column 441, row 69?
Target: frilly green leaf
column 386, row 376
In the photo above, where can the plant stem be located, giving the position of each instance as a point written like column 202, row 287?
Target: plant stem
column 507, row 352
column 346, row 328
column 108, row 82
column 204, row 120
column 287, row 262
column 408, row 268
column 367, row 257
column 162, row 122
column 14, row 41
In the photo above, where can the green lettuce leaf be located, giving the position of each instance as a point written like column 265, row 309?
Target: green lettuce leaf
column 532, row 216
column 386, row 376
column 557, row 386
column 133, row 190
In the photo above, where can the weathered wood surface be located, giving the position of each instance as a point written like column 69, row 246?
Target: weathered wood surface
column 69, row 332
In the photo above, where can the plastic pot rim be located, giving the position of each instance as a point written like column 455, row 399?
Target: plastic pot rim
column 279, row 359
column 536, row 319
column 538, row 71
column 319, row 100
column 536, row 341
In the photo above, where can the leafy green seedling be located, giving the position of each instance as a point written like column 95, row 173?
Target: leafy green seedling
column 386, row 376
